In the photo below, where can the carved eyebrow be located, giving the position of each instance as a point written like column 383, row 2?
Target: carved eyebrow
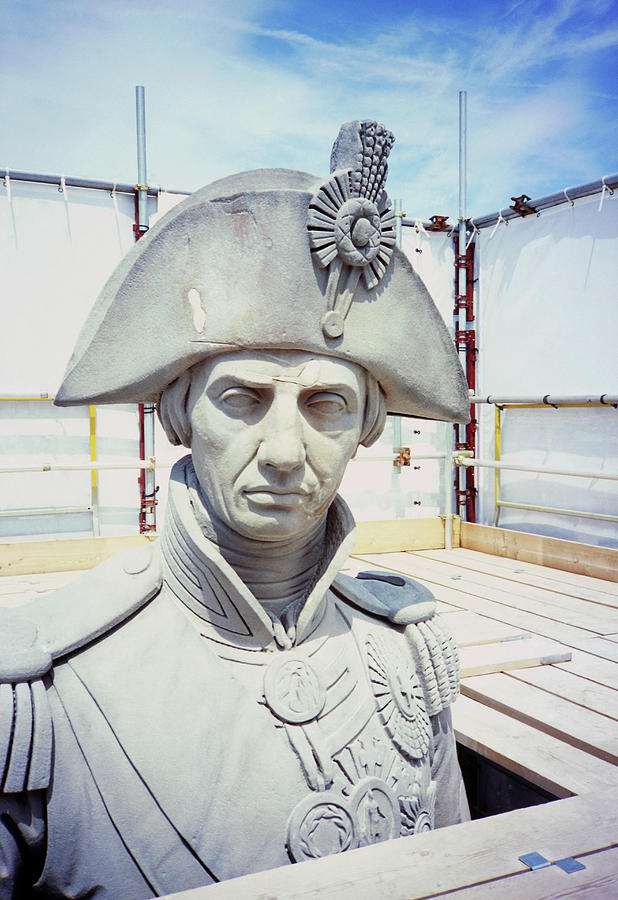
column 267, row 381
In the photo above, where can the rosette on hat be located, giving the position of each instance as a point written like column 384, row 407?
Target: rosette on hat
column 350, row 223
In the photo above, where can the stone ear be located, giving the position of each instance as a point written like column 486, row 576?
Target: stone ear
column 375, row 412
column 172, row 411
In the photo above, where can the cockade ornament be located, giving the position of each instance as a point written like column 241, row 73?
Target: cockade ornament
column 350, row 223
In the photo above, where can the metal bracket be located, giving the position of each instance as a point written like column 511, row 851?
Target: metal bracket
column 403, row 457
column 522, row 206
column 534, row 861
column 569, row 865
column 438, row 223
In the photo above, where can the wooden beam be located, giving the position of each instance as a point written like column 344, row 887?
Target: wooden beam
column 595, row 879
column 433, row 863
column 393, row 535
column 584, row 559
column 33, row 557
column 506, row 656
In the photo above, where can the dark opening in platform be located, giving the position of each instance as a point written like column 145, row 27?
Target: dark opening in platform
column 492, row 789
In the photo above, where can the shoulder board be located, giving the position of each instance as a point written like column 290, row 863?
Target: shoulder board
column 406, row 602
column 395, row 597
column 34, row 635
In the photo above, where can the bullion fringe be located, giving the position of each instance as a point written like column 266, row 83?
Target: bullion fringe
column 437, row 662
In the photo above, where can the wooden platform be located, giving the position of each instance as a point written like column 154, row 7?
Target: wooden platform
column 539, row 648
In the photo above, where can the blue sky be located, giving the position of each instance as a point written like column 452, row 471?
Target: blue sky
column 268, row 82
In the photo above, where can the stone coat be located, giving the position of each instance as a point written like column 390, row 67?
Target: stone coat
column 182, row 752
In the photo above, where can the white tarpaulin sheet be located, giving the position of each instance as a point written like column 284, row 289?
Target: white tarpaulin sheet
column 58, row 248
column 547, row 324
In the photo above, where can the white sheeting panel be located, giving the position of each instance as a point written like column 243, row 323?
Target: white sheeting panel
column 432, row 257
column 58, row 249
column 547, row 324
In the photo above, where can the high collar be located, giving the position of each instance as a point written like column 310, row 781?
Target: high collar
column 199, row 576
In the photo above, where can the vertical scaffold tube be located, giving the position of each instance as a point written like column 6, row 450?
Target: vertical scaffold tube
column 147, row 478
column 461, row 250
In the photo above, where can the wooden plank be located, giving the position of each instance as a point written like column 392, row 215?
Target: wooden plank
column 601, row 671
column 599, row 646
column 596, row 697
column 432, row 863
column 596, row 881
column 568, row 610
column 538, row 757
column 470, row 629
column 586, row 559
column 63, row 556
column 580, row 727
column 543, row 573
column 399, row 534
column 569, row 635
column 482, row 562
column 508, row 655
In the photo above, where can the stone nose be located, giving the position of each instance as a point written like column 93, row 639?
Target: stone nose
column 282, row 446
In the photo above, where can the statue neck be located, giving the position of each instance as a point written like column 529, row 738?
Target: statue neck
column 278, row 573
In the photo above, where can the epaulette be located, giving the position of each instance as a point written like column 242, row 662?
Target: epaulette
column 408, row 603
column 34, row 635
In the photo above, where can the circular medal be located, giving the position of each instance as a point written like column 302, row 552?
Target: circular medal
column 293, row 691
column 319, row 826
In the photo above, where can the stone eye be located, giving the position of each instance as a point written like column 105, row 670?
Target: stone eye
column 326, row 404
column 240, row 399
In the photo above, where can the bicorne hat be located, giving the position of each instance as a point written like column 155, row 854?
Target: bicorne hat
column 274, row 259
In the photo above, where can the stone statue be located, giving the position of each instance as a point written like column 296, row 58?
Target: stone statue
column 225, row 700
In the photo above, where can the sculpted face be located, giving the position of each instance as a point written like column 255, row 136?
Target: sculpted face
column 272, row 435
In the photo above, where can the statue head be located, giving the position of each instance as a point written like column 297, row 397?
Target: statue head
column 282, row 286
column 271, row 433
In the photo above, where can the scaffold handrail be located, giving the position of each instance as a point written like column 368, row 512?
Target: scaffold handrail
column 543, row 470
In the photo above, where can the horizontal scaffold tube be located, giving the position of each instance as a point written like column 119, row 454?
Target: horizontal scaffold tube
column 609, row 182
column 91, row 183
column 43, row 511
column 149, row 464
column 542, row 470
column 549, row 400
column 556, row 511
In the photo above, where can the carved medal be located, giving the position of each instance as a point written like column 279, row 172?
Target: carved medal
column 319, row 825
column 417, row 811
column 399, row 697
column 376, row 812
column 293, row 690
